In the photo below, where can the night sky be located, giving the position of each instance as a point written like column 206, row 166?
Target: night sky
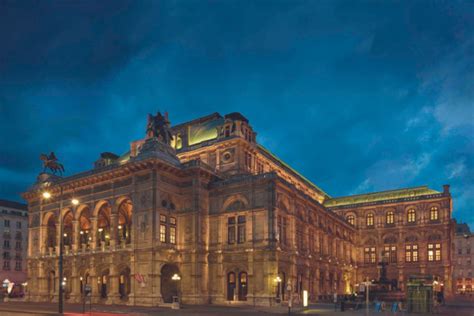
column 357, row 97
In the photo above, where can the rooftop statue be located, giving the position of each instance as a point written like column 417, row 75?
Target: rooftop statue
column 159, row 126
column 51, row 162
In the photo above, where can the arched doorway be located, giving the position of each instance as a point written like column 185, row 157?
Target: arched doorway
column 124, row 283
column 231, row 286
column 169, row 287
column 83, row 281
column 102, row 282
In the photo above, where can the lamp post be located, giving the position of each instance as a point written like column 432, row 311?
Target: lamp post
column 175, row 304
column 62, row 281
column 278, row 280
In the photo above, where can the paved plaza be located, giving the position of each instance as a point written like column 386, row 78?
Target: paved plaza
column 42, row 309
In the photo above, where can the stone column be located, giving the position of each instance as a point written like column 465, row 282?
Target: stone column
column 75, row 236
column 93, row 232
column 113, row 230
column 75, row 286
column 113, row 296
column 58, row 239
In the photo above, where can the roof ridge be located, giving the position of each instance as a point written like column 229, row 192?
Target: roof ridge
column 385, row 191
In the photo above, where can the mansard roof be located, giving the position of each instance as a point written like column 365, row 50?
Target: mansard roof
column 381, row 196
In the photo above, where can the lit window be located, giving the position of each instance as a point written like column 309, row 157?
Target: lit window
column 390, row 252
column 411, row 216
column 434, row 252
column 389, row 218
column 411, row 253
column 172, row 230
column 434, row 214
column 162, row 233
column 351, row 219
column 370, row 220
column 369, row 255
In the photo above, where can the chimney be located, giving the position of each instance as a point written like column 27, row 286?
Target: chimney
column 446, row 188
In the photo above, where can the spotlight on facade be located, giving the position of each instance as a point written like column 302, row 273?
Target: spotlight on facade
column 175, row 277
column 75, row 201
column 278, row 279
column 46, row 194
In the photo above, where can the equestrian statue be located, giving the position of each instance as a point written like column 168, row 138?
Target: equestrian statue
column 159, row 126
column 51, row 162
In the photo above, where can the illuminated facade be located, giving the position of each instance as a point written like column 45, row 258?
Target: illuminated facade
column 411, row 230
column 463, row 260
column 14, row 239
column 214, row 207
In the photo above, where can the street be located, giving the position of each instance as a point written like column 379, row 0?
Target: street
column 42, row 309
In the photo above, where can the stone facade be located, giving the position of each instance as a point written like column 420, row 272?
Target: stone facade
column 215, row 208
column 410, row 229
column 14, row 241
column 463, row 260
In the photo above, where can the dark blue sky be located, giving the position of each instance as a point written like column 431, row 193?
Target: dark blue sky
column 357, row 96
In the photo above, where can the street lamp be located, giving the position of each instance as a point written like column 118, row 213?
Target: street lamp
column 175, row 304
column 62, row 279
column 278, row 281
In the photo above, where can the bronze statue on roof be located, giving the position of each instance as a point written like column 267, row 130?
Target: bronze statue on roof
column 51, row 162
column 159, row 126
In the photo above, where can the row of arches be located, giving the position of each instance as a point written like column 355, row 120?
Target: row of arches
column 103, row 286
column 87, row 230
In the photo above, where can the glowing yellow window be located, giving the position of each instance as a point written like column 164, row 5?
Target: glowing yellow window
column 390, row 218
column 434, row 214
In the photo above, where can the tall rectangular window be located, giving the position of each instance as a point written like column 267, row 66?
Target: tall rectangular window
column 172, row 230
column 434, row 252
column 390, row 252
column 162, row 228
column 6, row 223
column 282, row 229
column 18, row 225
column 241, row 229
column 231, row 230
column 369, row 255
column 411, row 253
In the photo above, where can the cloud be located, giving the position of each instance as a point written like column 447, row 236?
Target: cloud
column 456, row 169
column 452, row 82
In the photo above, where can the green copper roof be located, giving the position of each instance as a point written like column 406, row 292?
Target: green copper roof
column 200, row 132
column 326, row 196
column 380, row 196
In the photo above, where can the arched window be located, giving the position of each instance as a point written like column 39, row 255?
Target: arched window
column 51, row 232
column 85, row 227
column 434, row 214
column 411, row 216
column 370, row 220
column 351, row 219
column 68, row 229
column 103, row 225
column 389, row 218
column 125, row 222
